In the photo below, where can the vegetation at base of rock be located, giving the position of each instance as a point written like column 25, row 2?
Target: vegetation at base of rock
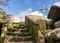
column 1, row 40
column 53, row 37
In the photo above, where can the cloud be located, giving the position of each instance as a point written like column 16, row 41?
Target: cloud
column 29, row 12
column 57, row 4
column 54, row 4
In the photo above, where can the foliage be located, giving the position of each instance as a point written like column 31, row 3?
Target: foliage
column 1, row 40
column 49, row 27
column 53, row 38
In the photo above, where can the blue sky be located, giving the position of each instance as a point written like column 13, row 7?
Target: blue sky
column 15, row 7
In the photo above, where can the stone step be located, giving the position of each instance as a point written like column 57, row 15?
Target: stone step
column 13, row 30
column 21, row 37
column 12, row 33
column 24, row 34
column 16, row 29
column 22, row 26
column 18, row 33
column 19, row 42
column 18, row 39
column 24, row 30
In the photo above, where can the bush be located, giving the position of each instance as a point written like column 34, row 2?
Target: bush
column 53, row 38
column 1, row 40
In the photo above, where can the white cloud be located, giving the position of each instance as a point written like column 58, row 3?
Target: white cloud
column 57, row 4
column 29, row 12
column 36, row 13
column 54, row 4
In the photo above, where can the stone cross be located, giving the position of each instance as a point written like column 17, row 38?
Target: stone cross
column 43, row 9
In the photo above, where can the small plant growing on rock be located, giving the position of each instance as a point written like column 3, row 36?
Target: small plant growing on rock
column 53, row 38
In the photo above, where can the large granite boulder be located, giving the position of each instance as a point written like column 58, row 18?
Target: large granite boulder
column 40, row 38
column 54, row 13
column 57, row 24
column 53, row 36
column 12, row 18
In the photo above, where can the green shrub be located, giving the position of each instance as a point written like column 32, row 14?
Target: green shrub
column 53, row 38
column 0, row 39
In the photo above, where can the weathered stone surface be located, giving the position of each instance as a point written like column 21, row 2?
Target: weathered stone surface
column 40, row 37
column 11, row 18
column 57, row 24
column 47, row 31
column 52, row 24
column 53, row 36
column 20, row 42
column 54, row 14
column 42, row 22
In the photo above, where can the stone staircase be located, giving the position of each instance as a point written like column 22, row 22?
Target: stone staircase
column 18, row 35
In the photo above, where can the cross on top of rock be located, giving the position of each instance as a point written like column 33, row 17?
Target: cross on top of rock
column 43, row 10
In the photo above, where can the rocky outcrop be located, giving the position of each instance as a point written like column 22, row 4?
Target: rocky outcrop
column 41, row 38
column 2, row 15
column 54, row 13
column 53, row 36
column 57, row 24
column 11, row 18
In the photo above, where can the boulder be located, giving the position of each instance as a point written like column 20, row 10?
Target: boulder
column 12, row 18
column 53, row 36
column 54, row 13
column 40, row 38
column 57, row 24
